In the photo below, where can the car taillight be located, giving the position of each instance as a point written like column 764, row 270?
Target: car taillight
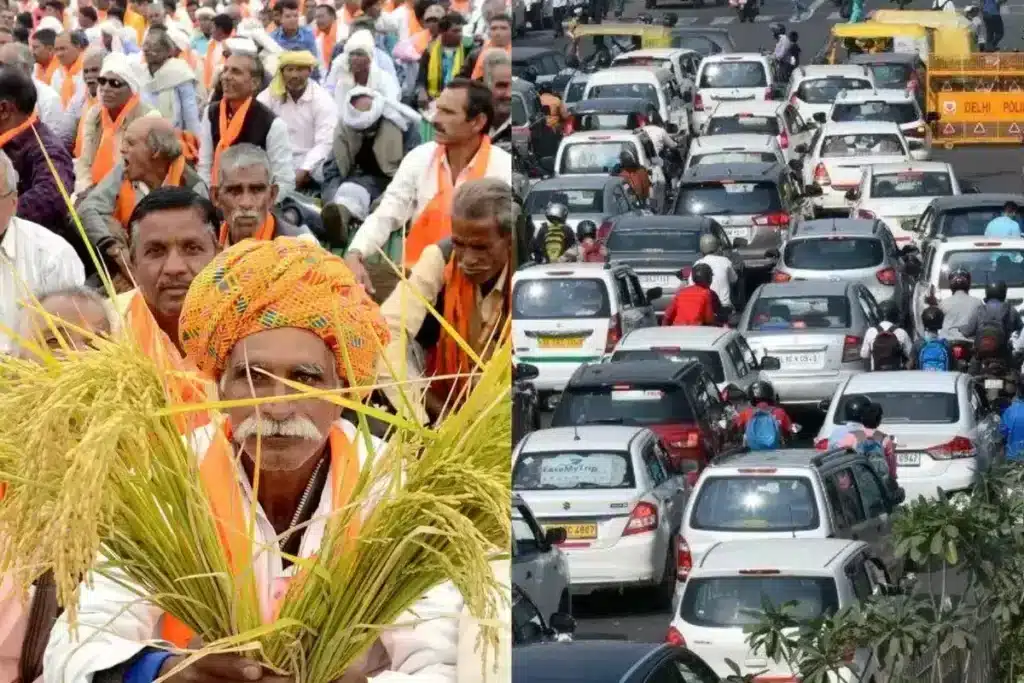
column 674, row 637
column 784, row 140
column 644, row 518
column 698, row 102
column 887, row 276
column 778, row 219
column 821, row 175
column 959, row 351
column 614, row 333
column 778, row 276
column 851, row 348
column 864, row 213
column 821, row 445
column 604, row 230
column 960, row 447
column 684, row 559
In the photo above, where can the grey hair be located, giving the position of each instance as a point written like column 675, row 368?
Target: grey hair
column 494, row 59
column 24, row 61
column 162, row 37
column 10, row 175
column 74, row 293
column 95, row 51
column 242, row 156
column 487, row 198
column 164, row 142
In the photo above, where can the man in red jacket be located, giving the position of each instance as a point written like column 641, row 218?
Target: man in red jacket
column 696, row 304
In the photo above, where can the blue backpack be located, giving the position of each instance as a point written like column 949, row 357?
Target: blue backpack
column 763, row 432
column 934, row 355
column 874, row 450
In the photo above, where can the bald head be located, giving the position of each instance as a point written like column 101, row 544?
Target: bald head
column 148, row 148
column 77, row 315
column 18, row 56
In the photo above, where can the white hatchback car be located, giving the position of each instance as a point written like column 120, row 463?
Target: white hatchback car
column 597, row 152
column 727, row 588
column 813, row 88
column 897, row 194
column 612, row 490
column 770, row 117
column 655, row 85
column 944, row 434
column 732, row 77
column 898, row 106
column 735, row 149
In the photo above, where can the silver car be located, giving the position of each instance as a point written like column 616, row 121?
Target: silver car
column 808, row 335
column 847, row 249
column 593, row 198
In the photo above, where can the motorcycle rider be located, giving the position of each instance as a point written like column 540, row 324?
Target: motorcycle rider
column 991, row 328
column 781, row 53
column 762, row 397
column 696, row 304
column 887, row 346
column 630, row 170
column 554, row 237
column 587, row 249
column 939, row 354
column 959, row 308
column 723, row 274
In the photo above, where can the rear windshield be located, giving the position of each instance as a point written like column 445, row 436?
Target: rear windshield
column 990, row 265
column 519, row 117
column 755, row 125
column 560, row 298
column 733, row 75
column 967, row 222
column 803, row 312
column 711, row 361
column 567, row 471
column 644, row 91
column 605, row 122
column 833, row 253
column 641, row 61
column 894, row 112
column 724, row 199
column 734, row 158
column 826, row 90
column 755, row 503
column 861, row 145
column 912, row 184
column 578, row 201
column 632, row 406
column 731, row 601
column 891, row 76
column 653, row 241
column 913, row 407
column 595, row 157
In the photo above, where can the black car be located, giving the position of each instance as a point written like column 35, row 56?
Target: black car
column 608, row 661
column 547, row 66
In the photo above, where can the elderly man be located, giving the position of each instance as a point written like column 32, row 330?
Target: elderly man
column 497, row 75
column 91, row 66
column 239, row 118
column 203, row 33
column 119, row 107
column 171, row 88
column 152, row 158
column 245, row 193
column 308, row 111
column 18, row 56
column 422, row 189
column 70, row 308
column 466, row 279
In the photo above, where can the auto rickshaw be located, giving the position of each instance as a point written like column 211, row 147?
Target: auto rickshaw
column 873, row 37
column 616, row 38
column 951, row 32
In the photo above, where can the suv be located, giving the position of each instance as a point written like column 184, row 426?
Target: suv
column 814, row 88
column 789, row 493
column 734, row 76
column 965, row 215
column 753, row 202
column 680, row 402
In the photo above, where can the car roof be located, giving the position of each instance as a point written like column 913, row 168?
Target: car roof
column 836, row 227
column 631, row 104
column 654, row 52
column 585, row 135
column 876, row 94
column 595, row 661
column 583, row 438
column 788, row 555
column 692, row 337
column 962, row 201
column 521, row 52
column 854, row 127
column 780, row 458
column 903, row 380
column 736, row 172
column 884, row 58
column 629, row 372
column 823, row 70
column 737, row 141
column 805, row 288
column 575, row 182
column 571, row 270
column 753, row 107
column 911, row 166
column 625, row 74
column 735, row 57
column 687, row 223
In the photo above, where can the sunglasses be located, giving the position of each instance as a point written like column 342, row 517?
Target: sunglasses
column 112, row 82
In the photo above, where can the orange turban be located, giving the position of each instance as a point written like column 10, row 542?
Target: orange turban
column 259, row 285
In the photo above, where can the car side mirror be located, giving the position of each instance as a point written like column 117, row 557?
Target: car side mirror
column 555, row 535
column 524, row 372
column 797, row 165
column 733, row 394
column 801, row 149
column 820, row 117
column 562, row 623
column 771, row 363
column 909, row 250
column 823, row 404
column 653, row 294
column 740, row 243
column 812, row 190
column 932, row 117
column 548, row 164
column 852, row 194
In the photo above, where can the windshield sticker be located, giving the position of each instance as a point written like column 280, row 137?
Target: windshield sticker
column 569, row 471
column 637, row 395
column 739, row 188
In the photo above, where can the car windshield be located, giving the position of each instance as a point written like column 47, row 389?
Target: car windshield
column 862, row 145
column 898, row 407
column 733, row 158
column 567, row 471
column 644, row 91
column 825, row 90
column 967, row 222
column 728, row 198
column 560, row 298
column 742, row 123
column 730, row 601
column 800, row 312
column 635, row 405
column 574, row 91
column 990, row 265
column 578, row 201
column 755, row 503
column 733, row 75
column 833, row 253
column 653, row 240
column 711, row 361
column 911, row 184
column 595, row 157
column 894, row 112
column 891, row 76
column 604, row 122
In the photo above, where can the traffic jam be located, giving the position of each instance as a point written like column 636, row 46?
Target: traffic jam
column 757, row 317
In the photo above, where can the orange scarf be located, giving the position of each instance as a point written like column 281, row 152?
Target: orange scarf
column 18, row 130
column 67, row 86
column 210, row 62
column 218, row 473
column 229, row 132
column 478, row 68
column 327, row 42
column 106, row 153
column 90, row 102
column 125, row 203
column 264, row 234
column 414, row 24
column 435, row 221
column 347, row 17
column 46, row 75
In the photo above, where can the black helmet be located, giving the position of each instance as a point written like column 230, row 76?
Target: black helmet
column 586, row 229
column 960, row 279
column 889, row 311
column 855, row 406
column 761, row 392
column 556, row 212
column 777, row 28
column 995, row 291
column 932, row 318
column 702, row 275
column 670, row 19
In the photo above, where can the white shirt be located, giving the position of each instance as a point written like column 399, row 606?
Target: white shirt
column 51, row 112
column 278, row 149
column 723, row 276
column 311, row 122
column 33, row 261
column 79, row 94
column 659, row 138
column 869, row 340
column 414, row 185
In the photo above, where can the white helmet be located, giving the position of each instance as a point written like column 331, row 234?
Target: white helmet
column 709, row 244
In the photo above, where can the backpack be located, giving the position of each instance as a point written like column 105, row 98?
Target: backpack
column 990, row 339
column 886, row 351
column 874, row 450
column 763, row 433
column 934, row 355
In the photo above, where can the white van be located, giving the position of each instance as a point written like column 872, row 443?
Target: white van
column 732, row 77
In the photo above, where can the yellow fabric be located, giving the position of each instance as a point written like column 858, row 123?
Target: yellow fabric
column 291, row 58
column 286, row 282
column 434, row 67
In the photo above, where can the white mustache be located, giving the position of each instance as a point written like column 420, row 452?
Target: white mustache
column 243, row 213
column 293, row 427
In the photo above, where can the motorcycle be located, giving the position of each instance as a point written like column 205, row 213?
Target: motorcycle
column 997, row 382
column 961, row 350
column 746, row 10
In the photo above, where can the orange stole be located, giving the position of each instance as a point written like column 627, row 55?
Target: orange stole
column 126, row 195
column 67, row 85
column 46, row 75
column 229, row 132
column 104, row 161
column 219, row 474
column 264, row 234
column 210, row 62
column 327, row 41
column 18, row 130
column 435, row 221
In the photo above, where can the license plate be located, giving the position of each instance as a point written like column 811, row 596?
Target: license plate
column 908, row 459
column 799, row 361
column 735, row 233
column 576, row 532
column 656, row 280
column 993, row 384
column 560, row 342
